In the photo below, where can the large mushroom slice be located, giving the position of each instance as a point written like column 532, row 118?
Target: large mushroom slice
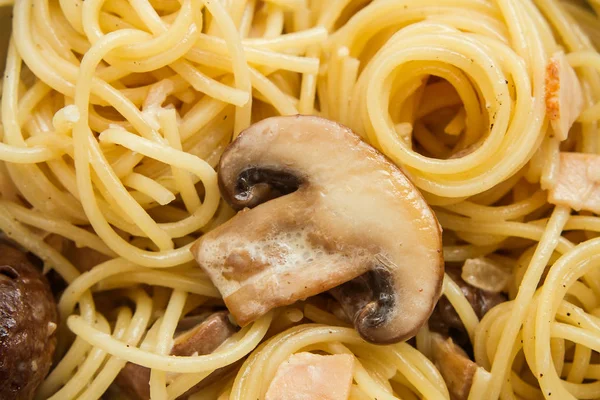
column 28, row 319
column 319, row 208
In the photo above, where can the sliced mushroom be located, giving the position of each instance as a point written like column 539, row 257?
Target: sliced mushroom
column 134, row 380
column 486, row 274
column 326, row 208
column 28, row 319
column 445, row 320
column 454, row 365
column 205, row 337
column 334, row 307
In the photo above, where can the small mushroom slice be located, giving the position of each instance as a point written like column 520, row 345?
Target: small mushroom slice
column 326, row 208
column 134, row 380
column 454, row 365
column 83, row 258
column 28, row 319
column 445, row 319
column 205, row 337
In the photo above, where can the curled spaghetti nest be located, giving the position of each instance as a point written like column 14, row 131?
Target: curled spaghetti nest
column 115, row 113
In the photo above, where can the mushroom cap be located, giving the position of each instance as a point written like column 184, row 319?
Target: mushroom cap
column 28, row 319
column 326, row 208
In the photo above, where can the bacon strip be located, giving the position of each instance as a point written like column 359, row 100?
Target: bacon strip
column 564, row 98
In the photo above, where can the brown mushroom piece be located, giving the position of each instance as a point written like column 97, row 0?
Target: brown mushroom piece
column 83, row 258
column 445, row 319
column 28, row 319
column 319, row 208
column 456, row 367
column 204, row 338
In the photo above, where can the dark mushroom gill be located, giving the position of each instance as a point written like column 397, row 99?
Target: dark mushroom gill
column 256, row 185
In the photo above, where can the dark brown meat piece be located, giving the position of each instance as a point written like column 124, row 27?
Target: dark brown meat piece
column 28, row 319
column 203, row 339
